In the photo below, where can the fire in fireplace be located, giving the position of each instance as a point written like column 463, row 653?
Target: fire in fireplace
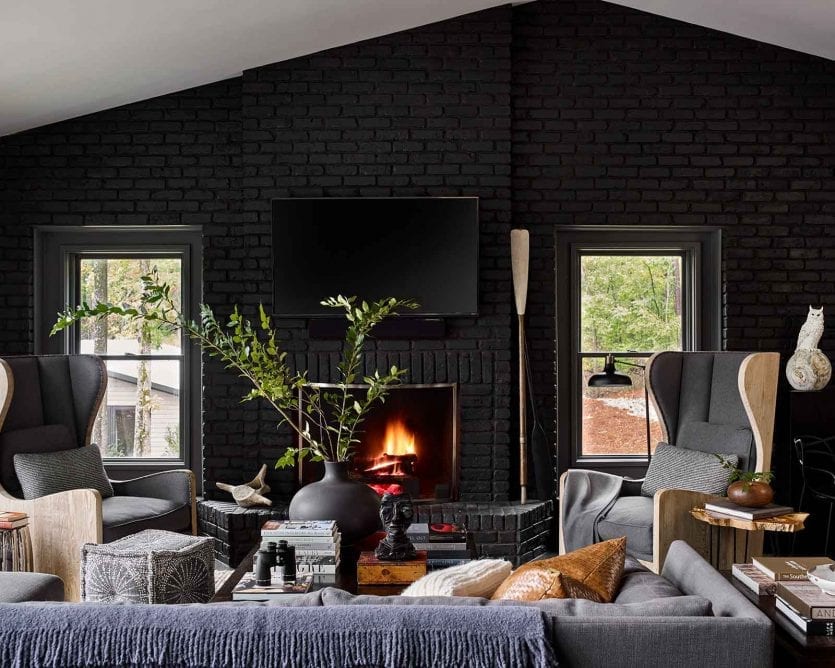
column 411, row 440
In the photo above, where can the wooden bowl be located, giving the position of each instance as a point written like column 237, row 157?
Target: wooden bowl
column 757, row 495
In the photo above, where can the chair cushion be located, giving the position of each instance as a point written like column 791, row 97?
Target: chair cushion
column 47, row 438
column 46, row 473
column 124, row 515
column 592, row 572
column 675, row 467
column 23, row 587
column 630, row 516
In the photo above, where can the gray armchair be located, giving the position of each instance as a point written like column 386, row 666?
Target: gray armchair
column 708, row 401
column 48, row 403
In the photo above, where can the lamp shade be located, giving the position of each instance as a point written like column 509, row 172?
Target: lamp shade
column 609, row 377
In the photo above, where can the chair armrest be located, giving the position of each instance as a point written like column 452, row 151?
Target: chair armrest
column 59, row 524
column 176, row 485
column 672, row 521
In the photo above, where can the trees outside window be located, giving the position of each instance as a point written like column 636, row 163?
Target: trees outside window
column 150, row 417
column 627, row 292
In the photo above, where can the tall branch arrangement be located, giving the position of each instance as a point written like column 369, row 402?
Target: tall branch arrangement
column 330, row 419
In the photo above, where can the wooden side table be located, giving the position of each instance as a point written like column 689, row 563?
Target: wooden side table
column 16, row 549
column 719, row 524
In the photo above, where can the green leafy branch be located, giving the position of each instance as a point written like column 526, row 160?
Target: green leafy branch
column 330, row 420
column 746, row 477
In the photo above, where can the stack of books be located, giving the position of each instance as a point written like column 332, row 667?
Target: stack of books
column 730, row 509
column 316, row 542
column 801, row 602
column 807, row 607
column 445, row 544
column 13, row 520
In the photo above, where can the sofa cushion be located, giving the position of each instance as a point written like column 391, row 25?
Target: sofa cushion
column 22, row 587
column 680, row 606
column 124, row 515
column 597, row 568
column 639, row 584
column 476, row 578
column 46, row 473
column 675, row 467
column 47, row 438
column 630, row 516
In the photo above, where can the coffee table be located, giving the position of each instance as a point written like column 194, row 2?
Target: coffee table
column 346, row 579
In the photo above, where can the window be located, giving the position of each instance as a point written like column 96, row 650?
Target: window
column 622, row 296
column 149, row 418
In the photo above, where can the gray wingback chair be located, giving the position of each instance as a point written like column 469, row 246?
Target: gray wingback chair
column 708, row 401
column 48, row 403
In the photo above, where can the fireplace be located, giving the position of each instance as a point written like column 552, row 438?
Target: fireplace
column 410, row 440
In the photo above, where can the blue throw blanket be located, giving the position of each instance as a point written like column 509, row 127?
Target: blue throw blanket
column 262, row 636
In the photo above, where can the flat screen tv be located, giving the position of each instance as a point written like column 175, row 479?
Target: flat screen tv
column 423, row 248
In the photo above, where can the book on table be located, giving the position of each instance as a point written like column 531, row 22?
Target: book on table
column 13, row 520
column 437, row 532
column 249, row 590
column 725, row 507
column 753, row 578
column 300, row 528
column 788, row 568
column 812, row 627
column 806, row 599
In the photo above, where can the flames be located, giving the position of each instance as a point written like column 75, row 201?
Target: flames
column 398, row 451
column 398, row 439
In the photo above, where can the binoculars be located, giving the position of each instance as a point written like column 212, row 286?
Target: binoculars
column 282, row 556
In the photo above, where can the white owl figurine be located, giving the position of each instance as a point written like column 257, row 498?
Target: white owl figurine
column 809, row 369
column 812, row 330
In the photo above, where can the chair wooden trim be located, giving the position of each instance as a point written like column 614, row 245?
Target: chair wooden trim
column 757, row 382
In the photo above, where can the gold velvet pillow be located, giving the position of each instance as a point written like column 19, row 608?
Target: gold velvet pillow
column 592, row 572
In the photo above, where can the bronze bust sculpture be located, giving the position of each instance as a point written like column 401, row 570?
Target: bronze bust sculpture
column 396, row 512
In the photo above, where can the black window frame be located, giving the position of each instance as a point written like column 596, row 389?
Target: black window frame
column 57, row 253
column 700, row 249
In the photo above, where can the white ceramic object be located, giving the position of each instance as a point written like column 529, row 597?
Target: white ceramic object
column 809, row 369
column 824, row 577
column 251, row 493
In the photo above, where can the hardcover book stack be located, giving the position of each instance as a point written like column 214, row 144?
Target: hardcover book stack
column 445, row 544
column 801, row 602
column 730, row 509
column 316, row 542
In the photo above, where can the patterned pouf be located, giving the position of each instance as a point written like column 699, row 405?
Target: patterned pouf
column 149, row 567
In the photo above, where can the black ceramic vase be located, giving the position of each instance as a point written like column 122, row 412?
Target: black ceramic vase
column 354, row 505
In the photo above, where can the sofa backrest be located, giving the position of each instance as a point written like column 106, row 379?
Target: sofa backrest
column 47, row 403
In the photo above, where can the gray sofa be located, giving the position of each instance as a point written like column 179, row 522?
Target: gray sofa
column 689, row 618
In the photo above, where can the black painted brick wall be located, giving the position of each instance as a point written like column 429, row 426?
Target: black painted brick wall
column 625, row 118
column 553, row 113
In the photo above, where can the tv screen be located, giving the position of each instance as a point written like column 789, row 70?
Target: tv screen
column 423, row 248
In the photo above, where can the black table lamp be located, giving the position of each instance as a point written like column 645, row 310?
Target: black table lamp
column 609, row 377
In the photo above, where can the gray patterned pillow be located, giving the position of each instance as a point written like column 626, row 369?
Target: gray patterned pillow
column 673, row 467
column 46, row 473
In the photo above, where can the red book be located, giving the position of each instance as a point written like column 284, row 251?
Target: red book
column 13, row 520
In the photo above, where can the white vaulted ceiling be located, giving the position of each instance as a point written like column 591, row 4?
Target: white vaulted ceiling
column 64, row 58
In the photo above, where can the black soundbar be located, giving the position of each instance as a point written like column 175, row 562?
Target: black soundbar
column 396, row 328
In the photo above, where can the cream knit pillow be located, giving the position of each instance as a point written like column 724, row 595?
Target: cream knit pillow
column 476, row 578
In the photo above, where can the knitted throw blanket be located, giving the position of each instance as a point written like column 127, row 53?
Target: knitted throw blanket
column 262, row 636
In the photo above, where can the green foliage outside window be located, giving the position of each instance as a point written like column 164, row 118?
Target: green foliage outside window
column 630, row 303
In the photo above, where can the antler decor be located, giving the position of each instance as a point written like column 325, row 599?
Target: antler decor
column 251, row 493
